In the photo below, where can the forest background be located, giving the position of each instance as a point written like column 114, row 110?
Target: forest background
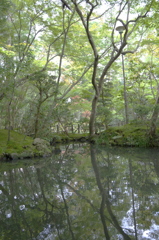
column 93, row 64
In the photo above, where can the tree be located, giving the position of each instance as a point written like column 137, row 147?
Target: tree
column 88, row 17
column 78, row 45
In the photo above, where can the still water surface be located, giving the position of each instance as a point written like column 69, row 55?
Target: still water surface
column 84, row 192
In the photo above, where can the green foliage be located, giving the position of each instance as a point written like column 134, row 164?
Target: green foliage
column 5, row 52
column 102, row 139
column 45, row 51
column 142, row 111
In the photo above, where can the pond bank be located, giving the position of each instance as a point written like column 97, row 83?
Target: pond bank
column 24, row 147
column 129, row 136
column 21, row 146
column 126, row 136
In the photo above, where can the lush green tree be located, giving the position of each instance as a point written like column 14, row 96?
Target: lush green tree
column 33, row 40
column 107, row 56
column 79, row 46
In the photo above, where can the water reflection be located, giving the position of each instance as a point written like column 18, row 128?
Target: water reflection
column 81, row 192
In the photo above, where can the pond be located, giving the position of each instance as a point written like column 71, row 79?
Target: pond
column 82, row 192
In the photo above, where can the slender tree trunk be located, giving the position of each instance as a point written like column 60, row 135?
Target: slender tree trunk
column 36, row 127
column 93, row 116
column 125, row 92
column 9, row 122
column 9, row 114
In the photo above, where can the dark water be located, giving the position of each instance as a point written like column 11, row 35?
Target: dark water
column 84, row 192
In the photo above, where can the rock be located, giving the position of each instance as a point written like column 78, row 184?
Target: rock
column 24, row 155
column 42, row 146
column 14, row 156
column 40, row 142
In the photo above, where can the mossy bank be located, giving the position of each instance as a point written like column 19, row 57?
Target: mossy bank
column 21, row 146
column 128, row 136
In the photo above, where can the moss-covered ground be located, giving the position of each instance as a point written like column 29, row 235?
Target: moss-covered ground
column 128, row 135
column 18, row 142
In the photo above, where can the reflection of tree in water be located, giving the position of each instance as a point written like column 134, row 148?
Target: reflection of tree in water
column 76, row 195
column 105, row 201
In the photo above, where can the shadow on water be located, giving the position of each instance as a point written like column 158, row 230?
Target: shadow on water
column 82, row 192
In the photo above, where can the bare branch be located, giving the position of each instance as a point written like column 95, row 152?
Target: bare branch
column 137, row 47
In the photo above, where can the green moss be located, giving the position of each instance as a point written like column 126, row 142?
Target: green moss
column 18, row 142
column 127, row 135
